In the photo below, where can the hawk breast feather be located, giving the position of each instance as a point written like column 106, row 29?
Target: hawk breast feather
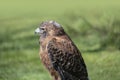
column 67, row 60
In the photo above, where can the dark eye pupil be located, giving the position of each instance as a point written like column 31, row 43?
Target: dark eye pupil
column 42, row 28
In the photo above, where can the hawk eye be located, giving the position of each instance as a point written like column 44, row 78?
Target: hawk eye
column 42, row 28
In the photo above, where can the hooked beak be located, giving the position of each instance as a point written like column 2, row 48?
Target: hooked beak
column 37, row 31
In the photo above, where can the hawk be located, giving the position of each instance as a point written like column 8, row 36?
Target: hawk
column 59, row 54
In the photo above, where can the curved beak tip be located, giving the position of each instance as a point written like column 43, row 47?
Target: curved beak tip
column 37, row 30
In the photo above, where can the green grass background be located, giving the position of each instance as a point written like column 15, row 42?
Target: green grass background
column 93, row 25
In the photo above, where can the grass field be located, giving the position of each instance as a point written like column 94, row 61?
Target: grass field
column 93, row 25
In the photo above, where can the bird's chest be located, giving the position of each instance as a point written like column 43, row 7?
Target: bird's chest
column 44, row 54
column 45, row 59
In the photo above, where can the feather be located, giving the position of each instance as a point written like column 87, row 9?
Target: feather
column 66, row 60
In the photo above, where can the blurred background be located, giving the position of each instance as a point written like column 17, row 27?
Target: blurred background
column 93, row 25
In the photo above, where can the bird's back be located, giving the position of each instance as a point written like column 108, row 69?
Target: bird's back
column 67, row 58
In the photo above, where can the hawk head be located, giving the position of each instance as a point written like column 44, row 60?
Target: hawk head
column 50, row 28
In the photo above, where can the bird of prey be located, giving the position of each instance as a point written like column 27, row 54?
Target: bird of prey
column 59, row 54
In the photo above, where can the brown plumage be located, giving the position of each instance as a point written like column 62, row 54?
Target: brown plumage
column 59, row 54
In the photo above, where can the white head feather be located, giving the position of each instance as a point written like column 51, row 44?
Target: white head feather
column 55, row 23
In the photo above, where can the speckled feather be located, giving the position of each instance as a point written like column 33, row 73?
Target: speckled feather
column 64, row 55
